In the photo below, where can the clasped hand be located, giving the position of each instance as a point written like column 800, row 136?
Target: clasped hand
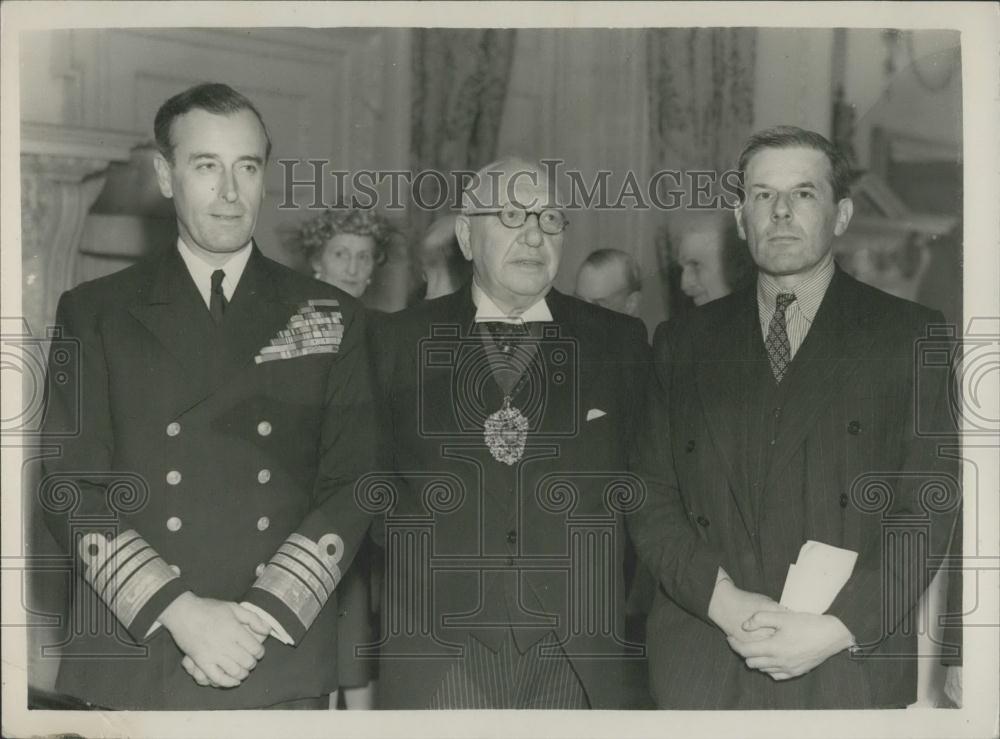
column 222, row 641
column 772, row 639
column 798, row 642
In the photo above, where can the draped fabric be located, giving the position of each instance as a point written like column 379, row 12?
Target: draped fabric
column 460, row 79
column 701, row 92
column 701, row 95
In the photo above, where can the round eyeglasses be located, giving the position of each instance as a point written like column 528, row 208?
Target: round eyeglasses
column 550, row 220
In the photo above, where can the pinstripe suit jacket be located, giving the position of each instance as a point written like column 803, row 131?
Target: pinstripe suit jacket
column 862, row 476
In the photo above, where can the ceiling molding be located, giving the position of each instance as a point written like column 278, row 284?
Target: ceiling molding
column 292, row 44
column 83, row 143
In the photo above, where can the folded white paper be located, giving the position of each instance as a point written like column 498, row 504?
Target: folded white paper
column 815, row 579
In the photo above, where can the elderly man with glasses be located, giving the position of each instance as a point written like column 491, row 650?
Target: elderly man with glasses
column 509, row 413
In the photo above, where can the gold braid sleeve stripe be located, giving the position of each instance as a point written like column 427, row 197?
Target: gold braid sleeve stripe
column 125, row 572
column 302, row 574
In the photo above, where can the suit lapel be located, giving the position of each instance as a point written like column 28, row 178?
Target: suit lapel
column 725, row 376
column 173, row 311
column 475, row 372
column 832, row 351
column 471, row 389
column 553, row 411
column 255, row 314
column 560, row 407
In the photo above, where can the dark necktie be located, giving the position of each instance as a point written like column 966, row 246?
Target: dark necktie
column 507, row 369
column 779, row 348
column 217, row 303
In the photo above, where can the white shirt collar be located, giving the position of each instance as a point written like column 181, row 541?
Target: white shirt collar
column 487, row 310
column 808, row 294
column 201, row 271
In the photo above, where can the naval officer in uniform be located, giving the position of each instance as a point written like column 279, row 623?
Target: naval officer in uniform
column 210, row 433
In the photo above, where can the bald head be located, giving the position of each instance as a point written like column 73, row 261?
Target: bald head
column 511, row 180
column 610, row 278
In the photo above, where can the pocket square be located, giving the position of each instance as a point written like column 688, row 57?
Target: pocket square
column 314, row 328
column 595, row 413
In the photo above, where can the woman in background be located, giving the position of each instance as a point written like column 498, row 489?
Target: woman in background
column 343, row 248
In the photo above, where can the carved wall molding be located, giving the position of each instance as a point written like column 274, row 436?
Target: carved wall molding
column 62, row 174
column 74, row 142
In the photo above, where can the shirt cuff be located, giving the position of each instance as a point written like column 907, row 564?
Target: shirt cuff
column 277, row 630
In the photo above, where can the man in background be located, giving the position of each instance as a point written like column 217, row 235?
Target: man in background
column 610, row 278
column 442, row 266
column 783, row 414
column 225, row 413
column 710, row 257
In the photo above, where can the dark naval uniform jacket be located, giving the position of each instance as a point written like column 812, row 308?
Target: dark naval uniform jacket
column 186, row 464
column 855, row 448
column 476, row 547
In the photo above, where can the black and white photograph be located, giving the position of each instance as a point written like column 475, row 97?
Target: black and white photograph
column 500, row 369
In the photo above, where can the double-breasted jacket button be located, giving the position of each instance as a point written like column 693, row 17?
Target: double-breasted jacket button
column 703, row 522
column 264, row 428
column 174, row 523
column 262, row 523
column 260, row 570
column 264, row 476
column 690, row 445
column 510, row 561
column 175, row 569
column 843, row 500
column 173, row 428
column 512, row 537
column 173, row 477
column 854, row 428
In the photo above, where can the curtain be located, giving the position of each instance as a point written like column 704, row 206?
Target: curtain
column 459, row 87
column 701, row 94
column 701, row 91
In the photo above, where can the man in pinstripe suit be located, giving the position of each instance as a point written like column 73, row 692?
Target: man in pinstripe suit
column 781, row 414
column 519, row 601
